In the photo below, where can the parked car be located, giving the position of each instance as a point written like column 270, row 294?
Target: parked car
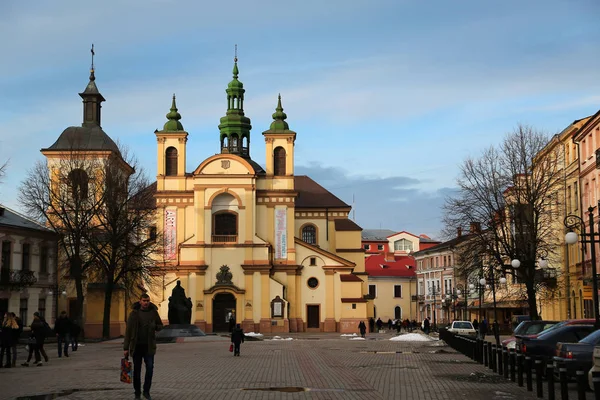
column 576, row 356
column 595, row 366
column 515, row 320
column 544, row 345
column 462, row 328
column 528, row 329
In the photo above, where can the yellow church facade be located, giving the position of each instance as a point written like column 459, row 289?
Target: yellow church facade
column 274, row 249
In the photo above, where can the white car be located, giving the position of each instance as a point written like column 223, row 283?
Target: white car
column 462, row 328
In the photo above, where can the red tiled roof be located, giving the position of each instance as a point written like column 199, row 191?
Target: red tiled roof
column 377, row 265
column 350, row 278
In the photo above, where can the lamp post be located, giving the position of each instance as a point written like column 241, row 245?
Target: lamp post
column 574, row 223
column 453, row 297
column 492, row 282
column 433, row 291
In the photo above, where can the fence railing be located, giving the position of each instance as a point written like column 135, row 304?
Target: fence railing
column 512, row 365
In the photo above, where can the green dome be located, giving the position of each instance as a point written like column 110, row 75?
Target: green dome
column 235, row 84
column 173, row 117
column 279, row 118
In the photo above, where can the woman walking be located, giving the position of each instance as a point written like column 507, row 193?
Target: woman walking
column 237, row 337
column 9, row 330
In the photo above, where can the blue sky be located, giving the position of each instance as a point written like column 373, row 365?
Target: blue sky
column 387, row 97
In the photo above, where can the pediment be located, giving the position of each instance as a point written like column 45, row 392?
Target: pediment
column 225, row 164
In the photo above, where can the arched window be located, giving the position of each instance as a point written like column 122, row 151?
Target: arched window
column 224, row 227
column 279, row 161
column 234, row 143
column 171, row 162
column 397, row 313
column 79, row 184
column 309, row 234
column 403, row 245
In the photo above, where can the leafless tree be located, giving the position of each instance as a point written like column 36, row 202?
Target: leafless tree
column 66, row 193
column 125, row 240
column 510, row 191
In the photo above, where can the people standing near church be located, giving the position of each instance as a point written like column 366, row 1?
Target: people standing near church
column 17, row 337
column 231, row 320
column 371, row 324
column 379, row 324
column 62, row 329
column 362, row 328
column 36, row 341
column 237, row 338
column 75, row 331
column 140, row 339
column 7, row 339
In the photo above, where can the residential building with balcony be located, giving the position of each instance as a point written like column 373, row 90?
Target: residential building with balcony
column 28, row 267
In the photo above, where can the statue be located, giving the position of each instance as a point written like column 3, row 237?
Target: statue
column 180, row 307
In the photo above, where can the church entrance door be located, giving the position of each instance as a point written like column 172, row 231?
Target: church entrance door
column 223, row 311
column 312, row 316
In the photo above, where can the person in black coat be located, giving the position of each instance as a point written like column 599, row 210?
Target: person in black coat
column 62, row 329
column 362, row 328
column 7, row 338
column 237, row 337
column 17, row 333
column 75, row 332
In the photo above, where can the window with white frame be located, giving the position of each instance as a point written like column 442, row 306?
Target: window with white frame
column 403, row 245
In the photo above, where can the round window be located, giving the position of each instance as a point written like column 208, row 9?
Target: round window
column 312, row 283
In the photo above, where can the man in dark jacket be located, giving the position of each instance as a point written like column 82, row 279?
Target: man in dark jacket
column 140, row 339
column 237, row 337
column 62, row 328
column 17, row 336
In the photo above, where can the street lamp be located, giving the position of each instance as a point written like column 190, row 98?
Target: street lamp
column 573, row 223
column 433, row 291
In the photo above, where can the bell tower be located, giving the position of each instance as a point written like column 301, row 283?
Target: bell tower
column 171, row 146
column 280, row 140
column 235, row 126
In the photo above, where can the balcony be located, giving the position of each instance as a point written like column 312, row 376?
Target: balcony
column 222, row 239
column 16, row 279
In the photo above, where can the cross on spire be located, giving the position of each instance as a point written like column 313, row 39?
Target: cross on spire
column 235, row 55
column 93, row 54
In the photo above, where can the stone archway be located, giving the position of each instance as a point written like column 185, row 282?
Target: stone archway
column 223, row 304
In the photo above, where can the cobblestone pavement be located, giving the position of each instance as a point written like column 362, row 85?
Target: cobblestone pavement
column 324, row 366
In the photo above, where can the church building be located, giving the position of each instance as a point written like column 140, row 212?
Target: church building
column 274, row 250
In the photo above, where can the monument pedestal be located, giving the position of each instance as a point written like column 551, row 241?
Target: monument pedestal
column 171, row 332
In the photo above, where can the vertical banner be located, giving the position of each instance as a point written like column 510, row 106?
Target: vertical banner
column 281, row 232
column 170, row 234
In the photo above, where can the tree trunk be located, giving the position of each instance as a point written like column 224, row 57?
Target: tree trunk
column 531, row 299
column 75, row 272
column 107, row 305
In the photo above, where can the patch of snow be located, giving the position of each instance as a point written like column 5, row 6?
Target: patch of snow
column 280, row 338
column 411, row 337
column 348, row 335
column 358, row 338
column 254, row 334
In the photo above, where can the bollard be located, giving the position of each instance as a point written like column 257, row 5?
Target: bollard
column 490, row 357
column 564, row 388
column 528, row 367
column 520, row 369
column 505, row 361
column 539, row 382
column 596, row 383
column 481, row 351
column 500, row 363
column 550, row 377
column 494, row 361
column 476, row 351
column 485, row 354
column 474, row 347
column 581, row 385
column 511, row 356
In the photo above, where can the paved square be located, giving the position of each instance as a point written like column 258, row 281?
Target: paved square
column 324, row 366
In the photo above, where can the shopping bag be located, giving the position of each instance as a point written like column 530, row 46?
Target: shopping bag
column 231, row 347
column 125, row 370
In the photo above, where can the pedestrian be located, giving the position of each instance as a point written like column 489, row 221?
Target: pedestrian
column 46, row 332
column 389, row 324
column 75, row 331
column 7, row 338
column 426, row 325
column 483, row 328
column 237, row 338
column 17, row 337
column 62, row 328
column 362, row 328
column 379, row 324
column 475, row 324
column 231, row 321
column 36, row 341
column 140, row 339
column 371, row 324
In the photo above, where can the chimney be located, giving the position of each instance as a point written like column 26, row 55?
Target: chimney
column 458, row 232
column 475, row 227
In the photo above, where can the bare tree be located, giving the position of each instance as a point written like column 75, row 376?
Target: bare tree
column 66, row 193
column 509, row 190
column 125, row 240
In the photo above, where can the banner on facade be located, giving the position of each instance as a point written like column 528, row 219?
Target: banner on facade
column 170, row 233
column 280, row 233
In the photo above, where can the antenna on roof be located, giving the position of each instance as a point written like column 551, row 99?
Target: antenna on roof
column 353, row 209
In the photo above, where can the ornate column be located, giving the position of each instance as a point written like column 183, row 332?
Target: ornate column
column 200, row 304
column 330, row 325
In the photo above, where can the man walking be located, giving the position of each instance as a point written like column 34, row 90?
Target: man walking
column 62, row 328
column 140, row 339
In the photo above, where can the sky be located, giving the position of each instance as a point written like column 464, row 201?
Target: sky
column 387, row 97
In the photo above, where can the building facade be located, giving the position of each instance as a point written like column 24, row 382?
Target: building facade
column 28, row 267
column 272, row 248
column 392, row 286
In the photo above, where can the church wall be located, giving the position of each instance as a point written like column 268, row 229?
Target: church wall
column 319, row 223
column 261, row 221
column 217, row 257
column 256, row 280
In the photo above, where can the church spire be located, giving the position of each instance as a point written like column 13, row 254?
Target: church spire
column 235, row 126
column 279, row 118
column 173, row 117
column 92, row 99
